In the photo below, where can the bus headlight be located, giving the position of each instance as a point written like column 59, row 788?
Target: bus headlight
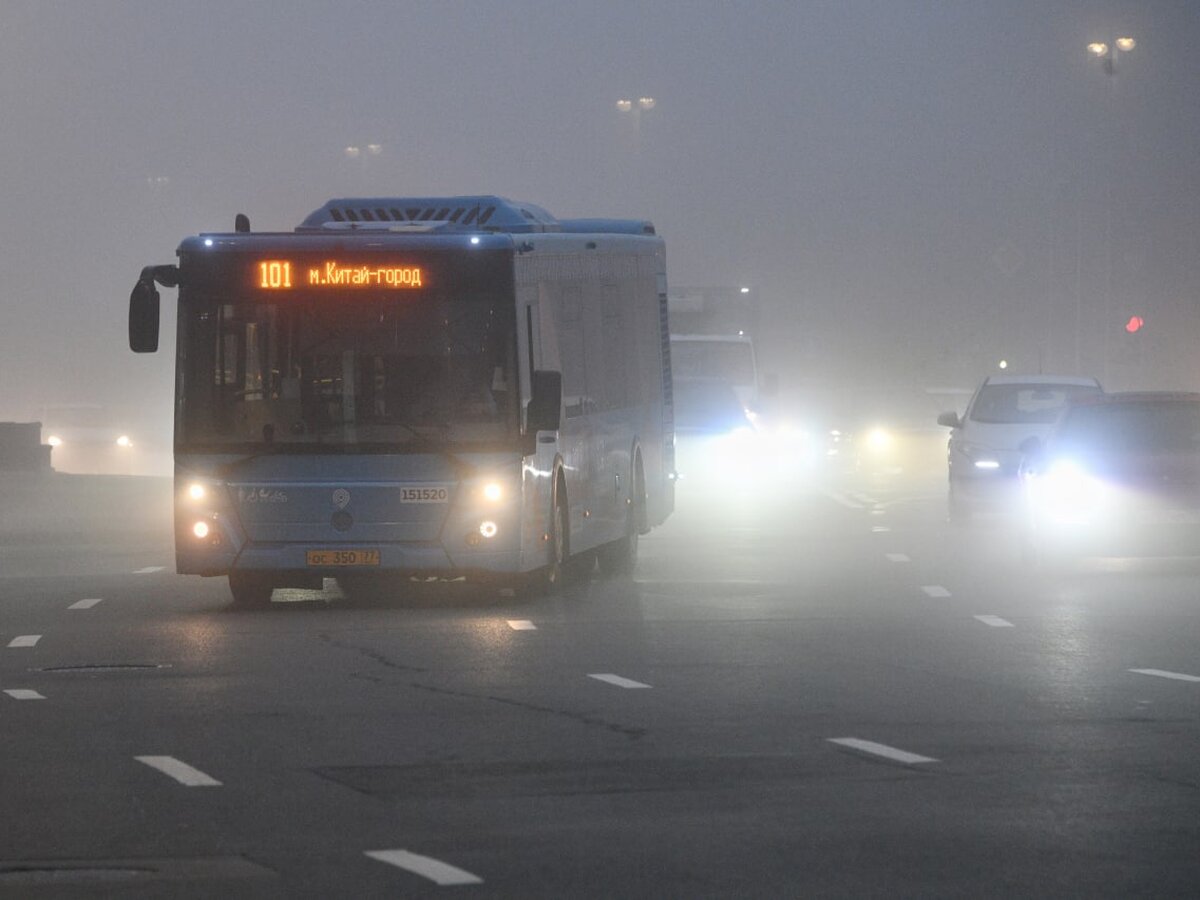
column 196, row 491
column 493, row 491
column 200, row 530
column 487, row 529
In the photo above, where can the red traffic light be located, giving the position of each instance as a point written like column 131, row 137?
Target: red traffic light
column 1135, row 324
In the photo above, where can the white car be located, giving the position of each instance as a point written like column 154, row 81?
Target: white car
column 985, row 453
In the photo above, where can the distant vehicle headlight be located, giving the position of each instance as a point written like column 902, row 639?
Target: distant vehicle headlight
column 492, row 491
column 196, row 491
column 1067, row 493
column 124, row 441
column 878, row 439
column 54, row 440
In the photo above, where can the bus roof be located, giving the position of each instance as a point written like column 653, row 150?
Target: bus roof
column 472, row 213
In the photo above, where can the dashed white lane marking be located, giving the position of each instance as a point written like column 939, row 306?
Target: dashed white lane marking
column 842, row 500
column 897, row 557
column 619, row 681
column 148, row 569
column 521, row 625
column 1159, row 673
column 996, row 622
column 25, row 640
column 880, row 529
column 85, row 604
column 882, row 750
column 24, row 694
column 180, row 771
column 425, row 866
column 935, row 590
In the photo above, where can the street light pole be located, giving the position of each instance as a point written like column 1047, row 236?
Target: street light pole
column 1109, row 54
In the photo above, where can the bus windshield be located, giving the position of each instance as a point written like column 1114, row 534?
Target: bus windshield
column 352, row 375
column 731, row 360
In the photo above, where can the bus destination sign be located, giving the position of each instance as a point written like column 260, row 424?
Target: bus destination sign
column 284, row 274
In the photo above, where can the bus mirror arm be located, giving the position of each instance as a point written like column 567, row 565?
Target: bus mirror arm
column 144, row 307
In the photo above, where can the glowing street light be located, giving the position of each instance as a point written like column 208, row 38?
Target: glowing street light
column 1108, row 53
column 624, row 105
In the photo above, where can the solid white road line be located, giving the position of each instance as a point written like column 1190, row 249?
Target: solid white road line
column 935, row 590
column 898, row 557
column 521, row 625
column 425, row 866
column 882, row 750
column 24, row 694
column 880, row 529
column 25, row 640
column 180, row 771
column 995, row 621
column 1159, row 673
column 84, row 604
column 619, row 681
column 148, row 570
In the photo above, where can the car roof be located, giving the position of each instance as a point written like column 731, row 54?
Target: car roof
column 1127, row 398
column 1081, row 380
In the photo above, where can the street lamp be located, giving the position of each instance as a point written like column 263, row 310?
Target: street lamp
column 1109, row 53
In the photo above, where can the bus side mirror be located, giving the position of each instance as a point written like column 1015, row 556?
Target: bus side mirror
column 545, row 403
column 143, row 316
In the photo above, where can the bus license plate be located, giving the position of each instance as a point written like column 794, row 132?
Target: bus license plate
column 343, row 558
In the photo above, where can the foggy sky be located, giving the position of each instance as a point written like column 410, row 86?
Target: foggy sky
column 916, row 188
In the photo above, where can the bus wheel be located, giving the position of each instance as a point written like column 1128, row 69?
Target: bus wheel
column 251, row 590
column 618, row 559
column 555, row 572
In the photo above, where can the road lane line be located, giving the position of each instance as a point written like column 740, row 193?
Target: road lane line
column 898, row 557
column 1159, row 673
column 619, row 681
column 85, row 604
column 880, row 529
column 996, row 622
column 24, row 694
column 521, row 625
column 25, row 640
column 935, row 590
column 148, row 569
column 882, row 750
column 425, row 866
column 180, row 771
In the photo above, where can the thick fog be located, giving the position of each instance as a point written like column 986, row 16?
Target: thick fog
column 917, row 189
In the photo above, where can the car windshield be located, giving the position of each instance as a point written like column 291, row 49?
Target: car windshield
column 1144, row 427
column 361, row 374
column 1024, row 404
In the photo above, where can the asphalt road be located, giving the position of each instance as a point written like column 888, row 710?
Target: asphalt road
column 823, row 689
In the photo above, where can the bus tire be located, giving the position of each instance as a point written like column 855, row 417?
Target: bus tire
column 250, row 590
column 554, row 574
column 618, row 559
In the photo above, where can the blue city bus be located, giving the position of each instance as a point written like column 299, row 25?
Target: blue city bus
column 458, row 387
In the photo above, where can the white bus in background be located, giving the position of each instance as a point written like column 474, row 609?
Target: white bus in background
column 727, row 357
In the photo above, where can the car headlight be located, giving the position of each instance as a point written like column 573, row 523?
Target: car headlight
column 124, row 441
column 981, row 458
column 54, row 440
column 1066, row 492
